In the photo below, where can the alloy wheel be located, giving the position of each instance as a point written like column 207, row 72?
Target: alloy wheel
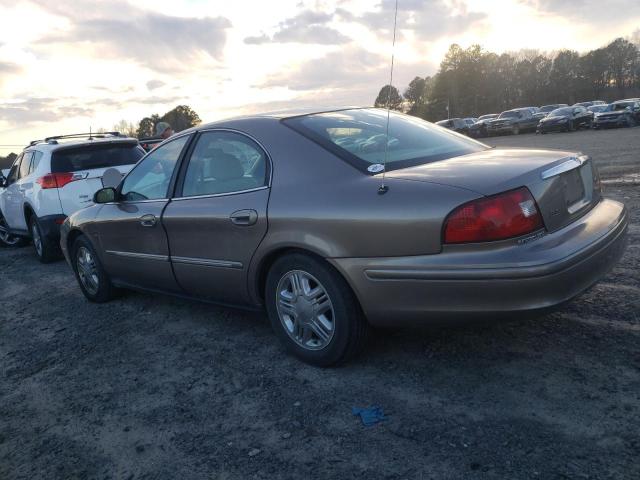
column 305, row 310
column 87, row 270
column 37, row 239
column 5, row 236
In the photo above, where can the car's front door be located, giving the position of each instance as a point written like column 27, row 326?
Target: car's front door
column 219, row 215
column 13, row 202
column 133, row 244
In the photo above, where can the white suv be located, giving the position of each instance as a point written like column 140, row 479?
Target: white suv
column 53, row 178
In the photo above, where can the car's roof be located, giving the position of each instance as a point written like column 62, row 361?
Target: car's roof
column 274, row 115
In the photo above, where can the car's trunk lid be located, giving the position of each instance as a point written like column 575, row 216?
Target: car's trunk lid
column 562, row 183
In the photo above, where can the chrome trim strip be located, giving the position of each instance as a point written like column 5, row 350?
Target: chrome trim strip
column 144, row 256
column 177, row 199
column 207, row 262
column 569, row 164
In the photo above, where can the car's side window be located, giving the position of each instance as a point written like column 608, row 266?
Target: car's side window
column 150, row 179
column 225, row 162
column 25, row 164
column 35, row 161
column 13, row 173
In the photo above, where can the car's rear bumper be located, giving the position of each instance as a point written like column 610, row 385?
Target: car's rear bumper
column 469, row 281
column 50, row 226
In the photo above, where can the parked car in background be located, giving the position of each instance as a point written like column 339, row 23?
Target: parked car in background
column 456, row 124
column 54, row 178
column 479, row 128
column 566, row 119
column 597, row 108
column 623, row 113
column 238, row 216
column 513, row 121
column 470, row 120
column 590, row 103
column 546, row 109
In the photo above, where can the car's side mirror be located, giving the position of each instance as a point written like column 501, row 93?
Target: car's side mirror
column 105, row 195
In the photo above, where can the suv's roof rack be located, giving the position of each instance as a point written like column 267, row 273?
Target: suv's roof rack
column 54, row 139
column 89, row 135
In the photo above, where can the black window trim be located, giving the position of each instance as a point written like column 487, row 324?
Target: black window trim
column 26, row 152
column 362, row 165
column 177, row 193
column 171, row 187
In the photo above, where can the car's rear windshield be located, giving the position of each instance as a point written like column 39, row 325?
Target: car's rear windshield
column 89, row 157
column 359, row 137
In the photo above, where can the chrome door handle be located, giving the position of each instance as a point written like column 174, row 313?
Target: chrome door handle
column 148, row 220
column 244, row 218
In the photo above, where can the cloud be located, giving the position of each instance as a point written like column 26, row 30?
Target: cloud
column 596, row 11
column 38, row 110
column 349, row 66
column 427, row 19
column 153, row 84
column 160, row 42
column 7, row 68
column 307, row 26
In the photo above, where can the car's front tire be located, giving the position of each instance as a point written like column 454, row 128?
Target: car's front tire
column 45, row 249
column 7, row 239
column 90, row 274
column 313, row 311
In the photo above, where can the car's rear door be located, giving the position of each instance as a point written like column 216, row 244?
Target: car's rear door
column 219, row 215
column 133, row 244
column 81, row 167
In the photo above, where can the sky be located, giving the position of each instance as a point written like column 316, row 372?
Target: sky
column 68, row 65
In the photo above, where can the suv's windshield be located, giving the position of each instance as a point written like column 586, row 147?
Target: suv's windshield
column 359, row 137
column 511, row 114
column 99, row 155
column 562, row 112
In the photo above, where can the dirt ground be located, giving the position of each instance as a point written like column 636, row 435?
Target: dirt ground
column 152, row 387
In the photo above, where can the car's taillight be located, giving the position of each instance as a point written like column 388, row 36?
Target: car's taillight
column 501, row 216
column 58, row 180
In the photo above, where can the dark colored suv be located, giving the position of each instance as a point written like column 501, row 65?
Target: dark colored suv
column 513, row 121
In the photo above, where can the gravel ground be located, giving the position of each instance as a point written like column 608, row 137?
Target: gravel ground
column 154, row 387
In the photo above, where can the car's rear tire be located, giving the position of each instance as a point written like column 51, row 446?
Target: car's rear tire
column 45, row 249
column 515, row 130
column 7, row 239
column 90, row 274
column 313, row 311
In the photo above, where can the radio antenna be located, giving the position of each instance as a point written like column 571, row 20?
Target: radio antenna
column 383, row 188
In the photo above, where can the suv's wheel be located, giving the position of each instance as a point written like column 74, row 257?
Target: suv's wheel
column 313, row 311
column 8, row 240
column 92, row 278
column 46, row 250
column 515, row 130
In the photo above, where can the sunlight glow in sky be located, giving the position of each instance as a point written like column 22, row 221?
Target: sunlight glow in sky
column 85, row 63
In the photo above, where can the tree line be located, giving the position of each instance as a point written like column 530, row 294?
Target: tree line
column 180, row 118
column 472, row 81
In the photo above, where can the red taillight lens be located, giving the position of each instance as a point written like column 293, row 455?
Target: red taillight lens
column 502, row 216
column 56, row 180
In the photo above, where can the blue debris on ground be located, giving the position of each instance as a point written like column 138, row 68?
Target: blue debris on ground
column 369, row 416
